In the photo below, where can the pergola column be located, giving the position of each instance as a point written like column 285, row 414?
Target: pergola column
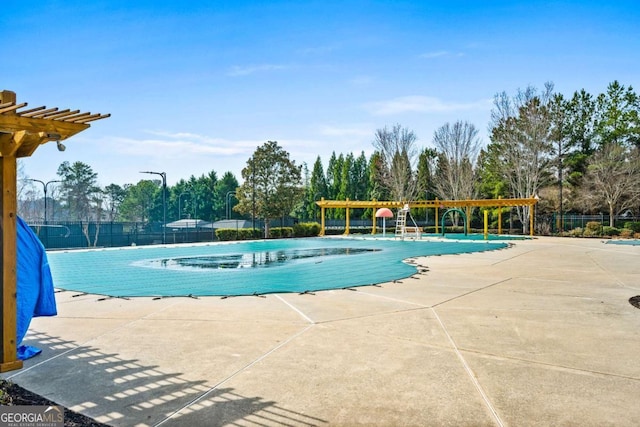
column 8, row 207
column 21, row 133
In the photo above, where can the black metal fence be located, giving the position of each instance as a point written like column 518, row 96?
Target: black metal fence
column 554, row 223
column 60, row 235
column 78, row 234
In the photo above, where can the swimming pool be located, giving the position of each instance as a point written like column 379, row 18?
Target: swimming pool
column 180, row 270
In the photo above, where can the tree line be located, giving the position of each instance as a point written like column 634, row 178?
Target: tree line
column 77, row 197
column 576, row 154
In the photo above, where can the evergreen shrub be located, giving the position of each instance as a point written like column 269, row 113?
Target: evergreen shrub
column 280, row 232
column 610, row 231
column 228, row 234
column 593, row 228
column 306, row 229
column 576, row 232
column 632, row 225
column 627, row 233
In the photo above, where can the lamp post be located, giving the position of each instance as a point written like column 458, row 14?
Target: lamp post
column 253, row 197
column 45, row 185
column 186, row 233
column 560, row 219
column 227, row 210
column 164, row 202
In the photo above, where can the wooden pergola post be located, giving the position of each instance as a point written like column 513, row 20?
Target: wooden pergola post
column 437, row 216
column 322, row 219
column 8, row 208
column 347, row 214
column 374, row 219
column 21, row 133
column 468, row 214
column 499, row 218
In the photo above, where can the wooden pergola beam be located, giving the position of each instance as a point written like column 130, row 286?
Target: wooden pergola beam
column 35, row 125
column 11, row 107
column 426, row 203
column 435, row 204
column 21, row 133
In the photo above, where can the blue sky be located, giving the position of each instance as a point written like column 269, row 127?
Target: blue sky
column 195, row 86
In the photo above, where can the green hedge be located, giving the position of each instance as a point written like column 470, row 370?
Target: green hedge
column 632, row 225
column 306, row 229
column 280, row 232
column 227, row 234
column 303, row 229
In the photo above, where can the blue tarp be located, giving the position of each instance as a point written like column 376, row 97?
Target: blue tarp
column 35, row 285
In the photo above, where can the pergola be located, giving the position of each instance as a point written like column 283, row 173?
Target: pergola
column 22, row 131
column 435, row 204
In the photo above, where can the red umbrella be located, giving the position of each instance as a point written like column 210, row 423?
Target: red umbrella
column 384, row 213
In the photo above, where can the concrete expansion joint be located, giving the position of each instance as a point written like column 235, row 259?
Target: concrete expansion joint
column 367, row 316
column 473, row 291
column 296, row 309
column 25, row 370
column 470, row 372
column 502, row 261
column 420, row 306
column 233, row 375
column 96, row 338
column 554, row 366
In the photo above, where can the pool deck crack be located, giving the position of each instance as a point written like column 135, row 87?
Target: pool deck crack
column 233, row 375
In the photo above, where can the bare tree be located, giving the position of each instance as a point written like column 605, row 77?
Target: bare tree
column 28, row 203
column 397, row 148
column 613, row 177
column 96, row 205
column 521, row 130
column 23, row 183
column 458, row 147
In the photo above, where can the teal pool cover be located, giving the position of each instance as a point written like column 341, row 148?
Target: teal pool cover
column 631, row 242
column 245, row 268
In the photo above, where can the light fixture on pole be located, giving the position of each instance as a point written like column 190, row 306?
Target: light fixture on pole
column 253, row 198
column 227, row 200
column 56, row 137
column 164, row 202
column 561, row 218
column 45, row 185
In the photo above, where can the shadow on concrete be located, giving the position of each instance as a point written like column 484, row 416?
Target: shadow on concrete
column 125, row 392
column 225, row 407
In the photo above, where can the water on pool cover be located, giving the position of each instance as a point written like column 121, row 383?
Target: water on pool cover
column 251, row 260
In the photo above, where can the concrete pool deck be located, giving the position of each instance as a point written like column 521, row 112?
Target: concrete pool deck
column 541, row 334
